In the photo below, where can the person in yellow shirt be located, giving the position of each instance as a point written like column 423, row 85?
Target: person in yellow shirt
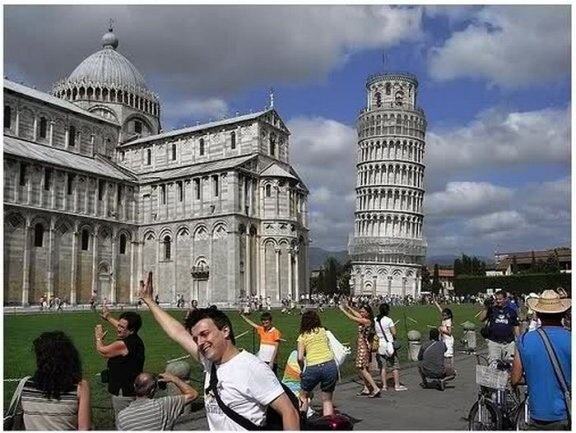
column 269, row 339
column 316, row 363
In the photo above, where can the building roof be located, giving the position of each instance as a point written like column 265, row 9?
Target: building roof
column 107, row 68
column 196, row 169
column 274, row 170
column 49, row 99
column 525, row 257
column 63, row 158
column 197, row 128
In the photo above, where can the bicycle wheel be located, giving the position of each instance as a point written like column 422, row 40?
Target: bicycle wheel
column 522, row 416
column 481, row 360
column 484, row 415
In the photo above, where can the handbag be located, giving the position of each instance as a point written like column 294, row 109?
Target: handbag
column 273, row 419
column 14, row 416
column 557, row 372
column 339, row 351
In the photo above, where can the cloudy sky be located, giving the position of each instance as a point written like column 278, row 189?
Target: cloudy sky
column 494, row 82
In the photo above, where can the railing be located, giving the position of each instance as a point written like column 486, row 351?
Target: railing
column 399, row 74
column 201, row 272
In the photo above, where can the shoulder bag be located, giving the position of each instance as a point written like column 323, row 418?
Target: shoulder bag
column 273, row 419
column 339, row 351
column 391, row 347
column 557, row 372
column 14, row 416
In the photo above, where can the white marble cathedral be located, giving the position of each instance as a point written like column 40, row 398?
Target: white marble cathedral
column 96, row 195
column 387, row 249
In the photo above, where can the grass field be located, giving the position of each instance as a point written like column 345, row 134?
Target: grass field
column 20, row 331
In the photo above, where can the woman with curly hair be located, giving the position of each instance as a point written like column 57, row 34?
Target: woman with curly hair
column 364, row 317
column 56, row 397
column 320, row 367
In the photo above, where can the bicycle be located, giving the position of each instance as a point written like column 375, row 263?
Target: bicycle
column 498, row 405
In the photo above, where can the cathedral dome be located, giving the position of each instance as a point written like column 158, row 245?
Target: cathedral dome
column 105, row 69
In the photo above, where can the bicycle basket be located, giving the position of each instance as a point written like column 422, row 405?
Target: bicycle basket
column 491, row 377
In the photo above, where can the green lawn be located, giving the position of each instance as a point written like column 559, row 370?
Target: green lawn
column 20, row 331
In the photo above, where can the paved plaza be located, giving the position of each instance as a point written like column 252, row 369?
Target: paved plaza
column 415, row 409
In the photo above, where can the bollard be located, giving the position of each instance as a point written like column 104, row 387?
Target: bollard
column 414, row 344
column 469, row 338
column 180, row 369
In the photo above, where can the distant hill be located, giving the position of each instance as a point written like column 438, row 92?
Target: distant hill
column 317, row 257
column 448, row 259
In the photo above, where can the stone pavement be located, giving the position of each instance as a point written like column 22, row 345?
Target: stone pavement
column 415, row 409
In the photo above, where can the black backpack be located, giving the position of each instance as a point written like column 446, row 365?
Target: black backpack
column 273, row 418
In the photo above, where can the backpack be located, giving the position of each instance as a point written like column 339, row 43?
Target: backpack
column 273, row 419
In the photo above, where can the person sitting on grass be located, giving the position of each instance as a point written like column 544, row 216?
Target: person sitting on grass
column 431, row 366
column 242, row 382
column 149, row 413
column 56, row 397
column 269, row 339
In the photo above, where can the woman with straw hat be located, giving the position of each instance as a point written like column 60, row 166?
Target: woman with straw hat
column 548, row 404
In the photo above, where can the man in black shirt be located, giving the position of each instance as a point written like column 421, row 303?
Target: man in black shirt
column 503, row 328
column 125, row 356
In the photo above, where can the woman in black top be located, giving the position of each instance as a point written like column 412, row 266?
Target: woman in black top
column 125, row 355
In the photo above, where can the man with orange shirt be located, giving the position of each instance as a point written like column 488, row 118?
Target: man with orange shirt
column 269, row 339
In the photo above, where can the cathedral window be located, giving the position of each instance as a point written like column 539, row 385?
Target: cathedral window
column 180, row 191
column 167, row 248
column 197, row 188
column 122, row 244
column 148, row 157
column 216, row 186
column 201, row 147
column 268, row 190
column 43, row 127
column 38, row 235
column 70, row 184
column 101, row 186
column 7, row 116
column 233, row 140
column 119, row 194
column 163, row 194
column 72, row 136
column 85, row 240
column 22, row 174
column 378, row 99
column 272, row 145
column 47, row 178
column 173, row 152
column 138, row 127
column 388, row 89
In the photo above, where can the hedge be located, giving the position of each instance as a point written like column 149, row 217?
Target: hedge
column 518, row 284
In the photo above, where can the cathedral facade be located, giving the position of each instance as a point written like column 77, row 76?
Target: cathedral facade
column 387, row 248
column 96, row 195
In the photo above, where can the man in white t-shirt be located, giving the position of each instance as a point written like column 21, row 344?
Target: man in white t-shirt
column 245, row 384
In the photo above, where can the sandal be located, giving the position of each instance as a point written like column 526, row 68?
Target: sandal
column 374, row 394
column 400, row 388
column 363, row 393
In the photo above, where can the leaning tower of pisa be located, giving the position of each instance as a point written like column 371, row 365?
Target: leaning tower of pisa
column 387, row 248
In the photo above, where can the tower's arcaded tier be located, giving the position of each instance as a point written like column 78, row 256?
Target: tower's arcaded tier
column 387, row 247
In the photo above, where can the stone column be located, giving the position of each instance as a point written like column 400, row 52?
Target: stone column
column 26, row 265
column 133, row 277
column 290, row 284
column 74, row 266
column 389, row 286
column 95, row 260
column 175, row 267
column 374, row 291
column 262, row 269
column 211, row 268
column 404, row 286
column 67, row 138
column 49, row 264
column 35, row 129
column 256, row 280
column 277, row 251
column 297, row 273
column 51, row 134
column 113, row 265
column 140, row 274
column 247, row 264
column 233, row 260
column 17, row 127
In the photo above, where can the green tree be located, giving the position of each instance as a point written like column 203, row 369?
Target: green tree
column 436, row 287
column 426, row 282
column 331, row 273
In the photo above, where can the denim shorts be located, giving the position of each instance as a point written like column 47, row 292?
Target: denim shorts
column 325, row 374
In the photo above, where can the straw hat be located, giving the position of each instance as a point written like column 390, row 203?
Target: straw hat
column 549, row 302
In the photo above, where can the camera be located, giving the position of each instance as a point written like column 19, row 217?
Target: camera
column 161, row 384
column 488, row 302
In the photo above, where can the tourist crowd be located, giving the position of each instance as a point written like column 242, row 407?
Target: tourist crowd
column 242, row 391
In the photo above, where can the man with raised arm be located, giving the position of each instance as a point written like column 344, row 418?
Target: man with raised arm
column 269, row 339
column 245, row 384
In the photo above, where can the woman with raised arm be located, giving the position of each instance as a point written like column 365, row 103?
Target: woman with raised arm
column 365, row 320
column 445, row 329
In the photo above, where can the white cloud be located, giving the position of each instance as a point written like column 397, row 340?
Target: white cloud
column 465, row 198
column 496, row 222
column 197, row 109
column 510, row 46
column 324, row 155
column 497, row 139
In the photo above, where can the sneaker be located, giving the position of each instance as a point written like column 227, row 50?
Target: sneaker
column 400, row 388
